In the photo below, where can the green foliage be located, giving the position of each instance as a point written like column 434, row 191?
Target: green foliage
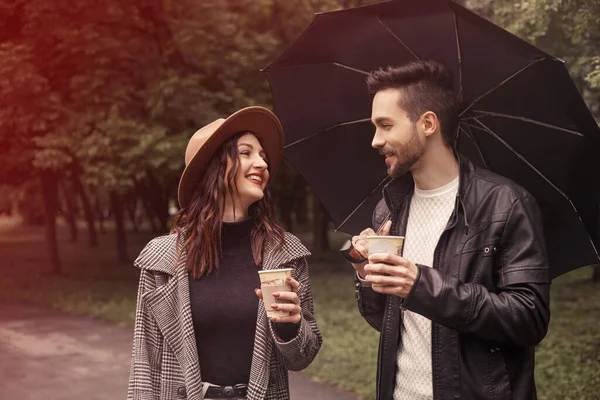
column 594, row 76
column 113, row 89
column 567, row 29
column 170, row 67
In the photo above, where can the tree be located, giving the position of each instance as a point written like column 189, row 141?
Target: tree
column 102, row 96
column 66, row 64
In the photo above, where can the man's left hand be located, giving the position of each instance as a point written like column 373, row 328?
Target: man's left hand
column 400, row 274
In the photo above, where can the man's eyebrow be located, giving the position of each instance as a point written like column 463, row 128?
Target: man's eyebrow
column 380, row 120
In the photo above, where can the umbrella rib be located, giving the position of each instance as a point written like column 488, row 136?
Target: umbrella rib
column 499, row 85
column 525, row 119
column 398, row 39
column 363, row 202
column 337, row 64
column 485, row 128
column 459, row 53
column 358, row 121
column 483, row 159
column 334, row 63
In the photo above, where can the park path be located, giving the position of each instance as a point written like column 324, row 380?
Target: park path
column 51, row 355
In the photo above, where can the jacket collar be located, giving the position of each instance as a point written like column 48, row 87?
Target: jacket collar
column 169, row 260
column 399, row 190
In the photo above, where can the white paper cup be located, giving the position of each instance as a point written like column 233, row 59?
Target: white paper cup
column 385, row 244
column 272, row 281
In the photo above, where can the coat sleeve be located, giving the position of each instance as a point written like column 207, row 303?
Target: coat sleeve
column 300, row 351
column 147, row 347
column 517, row 313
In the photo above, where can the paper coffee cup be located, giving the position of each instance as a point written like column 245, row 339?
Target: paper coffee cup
column 385, row 244
column 273, row 281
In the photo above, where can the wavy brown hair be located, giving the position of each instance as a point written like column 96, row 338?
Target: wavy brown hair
column 200, row 223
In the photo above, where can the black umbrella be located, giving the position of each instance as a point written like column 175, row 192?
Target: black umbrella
column 522, row 116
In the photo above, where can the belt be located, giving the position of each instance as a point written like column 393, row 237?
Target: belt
column 226, row 392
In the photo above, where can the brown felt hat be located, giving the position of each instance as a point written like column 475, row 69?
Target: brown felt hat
column 202, row 145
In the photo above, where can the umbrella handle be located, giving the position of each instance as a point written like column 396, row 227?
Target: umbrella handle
column 349, row 252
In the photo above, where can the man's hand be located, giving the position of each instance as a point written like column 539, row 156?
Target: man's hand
column 359, row 242
column 400, row 274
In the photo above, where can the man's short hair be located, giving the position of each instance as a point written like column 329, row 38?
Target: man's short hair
column 425, row 86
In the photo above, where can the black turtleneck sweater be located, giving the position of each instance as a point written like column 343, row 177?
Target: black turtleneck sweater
column 224, row 307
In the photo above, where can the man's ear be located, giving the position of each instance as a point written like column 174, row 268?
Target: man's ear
column 430, row 123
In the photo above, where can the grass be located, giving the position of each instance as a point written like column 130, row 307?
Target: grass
column 348, row 358
column 568, row 360
column 93, row 282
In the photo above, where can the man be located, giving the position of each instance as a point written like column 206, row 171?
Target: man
column 461, row 311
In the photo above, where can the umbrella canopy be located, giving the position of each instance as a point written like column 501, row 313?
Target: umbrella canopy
column 521, row 114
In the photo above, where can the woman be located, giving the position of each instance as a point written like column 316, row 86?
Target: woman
column 201, row 331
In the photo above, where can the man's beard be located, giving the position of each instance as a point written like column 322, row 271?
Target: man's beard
column 407, row 155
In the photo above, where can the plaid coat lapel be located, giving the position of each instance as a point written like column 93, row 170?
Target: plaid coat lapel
column 169, row 304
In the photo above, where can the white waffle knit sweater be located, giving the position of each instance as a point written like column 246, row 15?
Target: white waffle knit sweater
column 430, row 211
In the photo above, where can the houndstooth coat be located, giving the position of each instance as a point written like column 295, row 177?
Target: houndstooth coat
column 165, row 364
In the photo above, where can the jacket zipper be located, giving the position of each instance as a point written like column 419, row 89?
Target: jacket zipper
column 386, row 325
column 436, row 262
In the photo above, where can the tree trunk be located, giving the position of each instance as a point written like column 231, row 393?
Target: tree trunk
column 152, row 205
column 99, row 213
column 320, row 228
column 87, row 208
column 152, row 220
column 117, row 206
column 596, row 274
column 159, row 200
column 71, row 211
column 131, row 206
column 49, row 181
column 141, row 192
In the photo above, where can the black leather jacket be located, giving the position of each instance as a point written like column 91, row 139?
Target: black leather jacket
column 487, row 293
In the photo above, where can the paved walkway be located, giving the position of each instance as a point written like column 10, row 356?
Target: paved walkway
column 50, row 355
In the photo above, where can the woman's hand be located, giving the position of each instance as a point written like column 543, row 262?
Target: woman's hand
column 293, row 307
